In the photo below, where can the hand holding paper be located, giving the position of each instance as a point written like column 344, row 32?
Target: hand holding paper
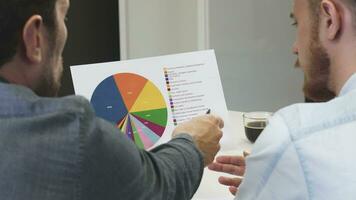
column 206, row 133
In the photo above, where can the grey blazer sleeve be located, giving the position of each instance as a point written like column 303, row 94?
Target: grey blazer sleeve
column 114, row 168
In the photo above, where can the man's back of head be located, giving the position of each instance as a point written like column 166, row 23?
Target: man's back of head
column 33, row 35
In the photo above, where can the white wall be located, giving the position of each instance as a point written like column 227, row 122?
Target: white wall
column 158, row 27
column 253, row 41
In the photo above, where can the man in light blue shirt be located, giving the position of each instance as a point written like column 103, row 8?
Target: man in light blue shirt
column 307, row 151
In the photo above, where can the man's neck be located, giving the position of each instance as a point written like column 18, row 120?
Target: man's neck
column 3, row 80
column 339, row 77
column 14, row 72
column 342, row 66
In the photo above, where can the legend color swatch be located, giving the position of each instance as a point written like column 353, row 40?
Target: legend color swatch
column 169, row 94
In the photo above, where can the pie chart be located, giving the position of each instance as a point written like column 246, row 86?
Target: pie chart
column 134, row 104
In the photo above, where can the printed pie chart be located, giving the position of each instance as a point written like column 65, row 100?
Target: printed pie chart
column 134, row 104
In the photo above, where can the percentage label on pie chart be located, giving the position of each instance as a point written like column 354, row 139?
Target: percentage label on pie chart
column 134, row 104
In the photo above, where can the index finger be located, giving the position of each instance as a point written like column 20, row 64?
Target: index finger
column 227, row 168
column 234, row 160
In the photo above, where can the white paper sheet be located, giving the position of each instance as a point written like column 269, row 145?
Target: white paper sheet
column 146, row 98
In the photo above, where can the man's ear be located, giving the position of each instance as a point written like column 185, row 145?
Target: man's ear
column 33, row 38
column 330, row 20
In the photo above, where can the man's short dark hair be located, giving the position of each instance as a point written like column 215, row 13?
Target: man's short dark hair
column 13, row 16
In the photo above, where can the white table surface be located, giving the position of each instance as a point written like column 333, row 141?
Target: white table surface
column 210, row 189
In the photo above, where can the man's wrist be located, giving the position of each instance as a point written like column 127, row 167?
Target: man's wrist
column 190, row 138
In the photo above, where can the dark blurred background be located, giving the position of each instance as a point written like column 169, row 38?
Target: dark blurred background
column 93, row 36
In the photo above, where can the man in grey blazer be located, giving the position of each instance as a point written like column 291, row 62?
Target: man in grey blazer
column 56, row 148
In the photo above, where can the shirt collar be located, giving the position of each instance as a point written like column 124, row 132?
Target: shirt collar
column 349, row 85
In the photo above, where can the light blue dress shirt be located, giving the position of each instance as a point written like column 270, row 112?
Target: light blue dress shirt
column 308, row 151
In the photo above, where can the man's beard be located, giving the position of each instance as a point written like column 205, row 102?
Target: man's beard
column 317, row 74
column 49, row 84
column 50, row 79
